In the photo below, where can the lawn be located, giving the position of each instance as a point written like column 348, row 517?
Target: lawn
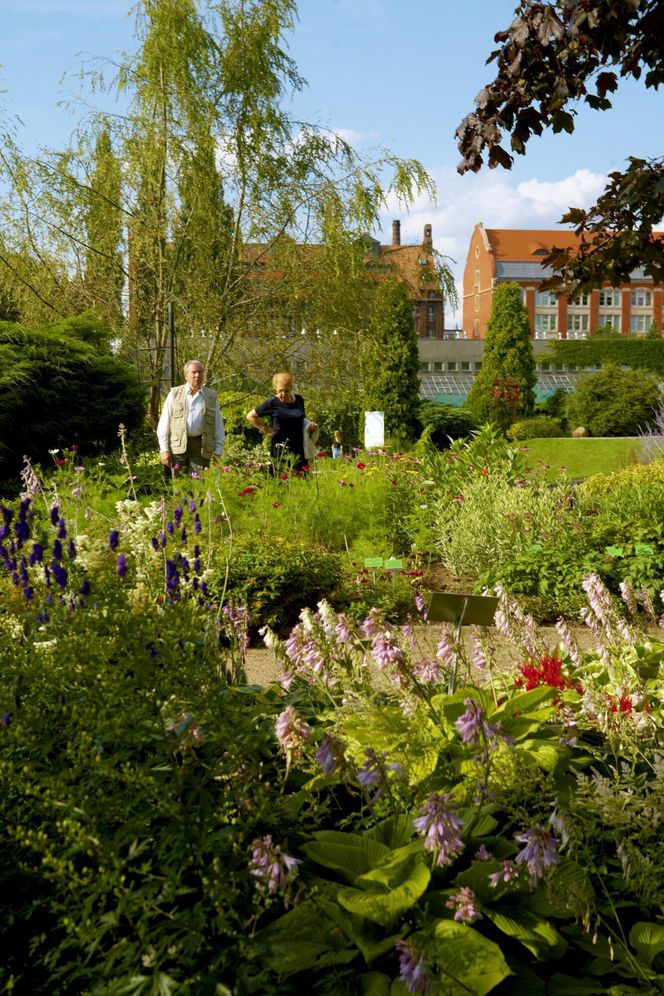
column 581, row 457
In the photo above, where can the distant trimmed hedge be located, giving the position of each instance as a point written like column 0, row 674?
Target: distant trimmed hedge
column 61, row 385
column 638, row 354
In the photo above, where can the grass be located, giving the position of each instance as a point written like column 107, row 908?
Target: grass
column 580, row 457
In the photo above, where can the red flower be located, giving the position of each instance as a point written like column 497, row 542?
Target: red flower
column 74, row 447
column 276, row 504
column 547, row 671
column 247, row 491
column 61, row 463
column 484, row 471
column 361, row 466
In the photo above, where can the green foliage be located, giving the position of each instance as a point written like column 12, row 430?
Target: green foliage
column 537, row 427
column 614, row 402
column 538, row 81
column 104, row 276
column 638, row 353
column 58, row 387
column 275, row 580
column 445, row 422
column 504, row 388
column 391, row 361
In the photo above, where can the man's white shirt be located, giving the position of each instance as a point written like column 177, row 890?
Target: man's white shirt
column 195, row 408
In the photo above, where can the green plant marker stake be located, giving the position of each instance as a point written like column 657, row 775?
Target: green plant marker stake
column 614, row 551
column 535, row 548
column 373, row 562
column 643, row 550
column 393, row 565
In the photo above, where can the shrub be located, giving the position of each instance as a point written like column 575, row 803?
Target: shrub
column 504, row 388
column 60, row 385
column 275, row 579
column 614, row 402
column 446, row 422
column 537, row 427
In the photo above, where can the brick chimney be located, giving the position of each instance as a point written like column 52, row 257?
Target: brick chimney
column 396, row 233
column 428, row 238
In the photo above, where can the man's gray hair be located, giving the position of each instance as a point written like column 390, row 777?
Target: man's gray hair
column 189, row 363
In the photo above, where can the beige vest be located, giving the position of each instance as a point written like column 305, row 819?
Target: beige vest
column 178, row 422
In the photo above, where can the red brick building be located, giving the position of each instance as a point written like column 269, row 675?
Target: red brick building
column 502, row 255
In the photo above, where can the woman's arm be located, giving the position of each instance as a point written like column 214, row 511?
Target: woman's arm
column 254, row 419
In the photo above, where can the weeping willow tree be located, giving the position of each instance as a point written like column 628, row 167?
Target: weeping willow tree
column 219, row 191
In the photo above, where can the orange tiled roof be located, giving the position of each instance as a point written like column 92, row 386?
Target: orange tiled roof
column 522, row 244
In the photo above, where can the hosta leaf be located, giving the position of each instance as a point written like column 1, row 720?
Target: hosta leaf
column 648, row 939
column 468, row 958
column 348, row 853
column 536, row 934
column 384, row 907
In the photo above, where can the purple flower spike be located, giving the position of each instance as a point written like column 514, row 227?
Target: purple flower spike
column 55, row 515
column 473, row 724
column 440, row 828
column 540, row 851
column 114, row 539
column 274, row 870
column 464, row 906
column 121, row 566
column 412, row 969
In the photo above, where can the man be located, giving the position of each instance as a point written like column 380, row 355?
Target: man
column 191, row 429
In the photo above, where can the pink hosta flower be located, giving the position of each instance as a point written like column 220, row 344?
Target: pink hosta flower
column 446, row 650
column 428, row 672
column 344, row 629
column 386, row 651
column 330, row 755
column 291, row 730
column 464, row 905
column 374, row 773
column 440, row 828
column 507, row 873
column 274, row 870
column 473, row 723
column 412, row 969
column 373, row 624
column 540, row 851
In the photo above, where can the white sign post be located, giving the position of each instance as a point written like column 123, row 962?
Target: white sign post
column 374, row 430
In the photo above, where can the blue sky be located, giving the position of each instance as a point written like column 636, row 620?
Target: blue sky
column 385, row 74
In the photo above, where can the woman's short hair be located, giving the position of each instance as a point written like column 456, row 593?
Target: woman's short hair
column 283, row 376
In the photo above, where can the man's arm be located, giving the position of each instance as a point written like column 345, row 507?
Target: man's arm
column 219, row 434
column 163, row 432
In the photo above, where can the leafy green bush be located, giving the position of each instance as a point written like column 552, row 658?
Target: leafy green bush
column 59, row 386
column 446, row 422
column 275, row 580
column 614, row 402
column 537, row 427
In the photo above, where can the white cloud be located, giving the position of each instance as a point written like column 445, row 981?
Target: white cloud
column 354, row 137
column 493, row 199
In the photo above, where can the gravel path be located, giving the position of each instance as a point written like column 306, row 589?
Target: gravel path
column 262, row 668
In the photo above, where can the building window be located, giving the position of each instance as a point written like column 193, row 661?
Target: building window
column 641, row 298
column 477, row 302
column 438, row 366
column 431, row 332
column 477, row 278
column 477, row 364
column 545, row 299
column 609, row 319
column 609, row 298
column 465, row 365
column 580, row 302
column 431, row 313
column 424, row 366
column 640, row 323
column 476, row 327
column 545, row 324
column 451, row 365
column 544, row 367
column 577, row 323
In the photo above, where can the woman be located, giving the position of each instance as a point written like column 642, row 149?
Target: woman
column 289, row 422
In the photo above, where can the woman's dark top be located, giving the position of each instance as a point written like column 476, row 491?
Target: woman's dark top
column 288, row 424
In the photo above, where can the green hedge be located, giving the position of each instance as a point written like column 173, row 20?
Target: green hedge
column 639, row 354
